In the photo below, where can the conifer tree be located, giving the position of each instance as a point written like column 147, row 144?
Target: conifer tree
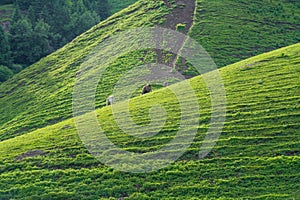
column 21, row 40
column 5, row 53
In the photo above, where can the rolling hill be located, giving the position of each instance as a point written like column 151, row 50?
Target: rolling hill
column 235, row 30
column 256, row 157
column 49, row 83
column 41, row 95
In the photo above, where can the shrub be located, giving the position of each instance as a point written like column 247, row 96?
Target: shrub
column 5, row 73
column 16, row 68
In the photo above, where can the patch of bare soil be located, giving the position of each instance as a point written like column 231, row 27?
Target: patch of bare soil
column 28, row 154
column 182, row 15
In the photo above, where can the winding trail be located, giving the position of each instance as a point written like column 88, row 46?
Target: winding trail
column 182, row 13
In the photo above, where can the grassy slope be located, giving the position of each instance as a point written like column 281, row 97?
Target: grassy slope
column 6, row 12
column 41, row 94
column 257, row 155
column 235, row 30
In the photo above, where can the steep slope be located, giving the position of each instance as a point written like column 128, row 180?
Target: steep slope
column 256, row 157
column 235, row 30
column 41, row 95
column 6, row 15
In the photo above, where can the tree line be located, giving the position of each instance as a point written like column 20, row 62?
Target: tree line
column 39, row 27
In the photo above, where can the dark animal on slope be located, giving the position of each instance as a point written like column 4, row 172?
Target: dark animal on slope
column 146, row 89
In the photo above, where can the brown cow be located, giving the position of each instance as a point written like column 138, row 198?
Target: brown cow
column 146, row 89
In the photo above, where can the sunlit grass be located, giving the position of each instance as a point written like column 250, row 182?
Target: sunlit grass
column 257, row 154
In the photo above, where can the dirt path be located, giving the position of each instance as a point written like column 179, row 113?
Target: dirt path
column 183, row 14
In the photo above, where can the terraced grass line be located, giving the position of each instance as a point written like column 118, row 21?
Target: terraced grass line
column 6, row 12
column 256, row 157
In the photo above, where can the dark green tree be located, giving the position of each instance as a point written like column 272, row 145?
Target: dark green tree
column 39, row 27
column 5, row 73
column 17, row 15
column 59, row 16
column 4, row 2
column 23, row 4
column 101, row 7
column 5, row 53
column 40, row 45
column 21, row 41
column 32, row 15
column 82, row 20
column 35, row 11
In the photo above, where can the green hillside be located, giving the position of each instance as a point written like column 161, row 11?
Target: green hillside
column 6, row 13
column 41, row 95
column 116, row 6
column 256, row 157
column 235, row 30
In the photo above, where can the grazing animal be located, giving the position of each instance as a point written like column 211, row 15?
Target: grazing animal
column 146, row 89
column 110, row 100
